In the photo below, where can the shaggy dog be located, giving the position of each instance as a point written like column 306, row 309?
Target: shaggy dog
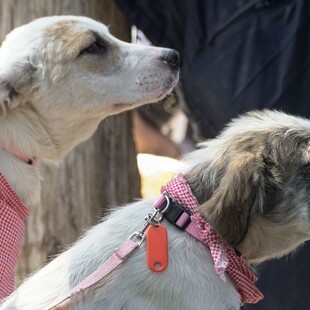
column 59, row 78
column 252, row 183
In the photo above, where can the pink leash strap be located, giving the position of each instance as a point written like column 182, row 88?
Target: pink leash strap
column 118, row 257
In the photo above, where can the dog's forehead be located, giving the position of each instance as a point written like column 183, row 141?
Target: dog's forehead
column 268, row 129
column 253, row 132
column 267, row 120
column 64, row 28
column 70, row 36
column 70, row 31
column 66, row 23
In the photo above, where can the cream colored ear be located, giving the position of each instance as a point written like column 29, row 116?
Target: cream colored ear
column 15, row 81
column 2, row 110
column 229, row 208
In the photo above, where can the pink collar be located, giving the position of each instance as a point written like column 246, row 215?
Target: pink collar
column 32, row 161
column 12, row 215
column 225, row 257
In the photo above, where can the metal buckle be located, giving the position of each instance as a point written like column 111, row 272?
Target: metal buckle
column 175, row 212
column 137, row 237
column 151, row 219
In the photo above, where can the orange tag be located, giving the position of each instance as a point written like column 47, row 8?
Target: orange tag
column 157, row 248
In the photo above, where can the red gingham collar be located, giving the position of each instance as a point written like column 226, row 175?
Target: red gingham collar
column 12, row 215
column 224, row 256
column 8, row 196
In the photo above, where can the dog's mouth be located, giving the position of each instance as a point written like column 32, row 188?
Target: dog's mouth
column 168, row 86
column 124, row 105
column 154, row 95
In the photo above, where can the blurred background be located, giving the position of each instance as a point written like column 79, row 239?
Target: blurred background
column 237, row 55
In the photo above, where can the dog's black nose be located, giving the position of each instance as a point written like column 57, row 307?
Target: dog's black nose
column 172, row 58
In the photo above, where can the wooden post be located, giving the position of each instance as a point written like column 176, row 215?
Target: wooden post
column 100, row 173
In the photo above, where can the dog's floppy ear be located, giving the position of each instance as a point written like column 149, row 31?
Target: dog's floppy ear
column 16, row 80
column 229, row 208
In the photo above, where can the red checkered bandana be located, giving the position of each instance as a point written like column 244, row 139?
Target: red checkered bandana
column 225, row 258
column 12, row 215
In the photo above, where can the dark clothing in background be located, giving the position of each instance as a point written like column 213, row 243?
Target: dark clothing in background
column 239, row 55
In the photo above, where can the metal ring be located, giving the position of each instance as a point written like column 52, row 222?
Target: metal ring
column 138, row 236
column 158, row 220
column 166, row 207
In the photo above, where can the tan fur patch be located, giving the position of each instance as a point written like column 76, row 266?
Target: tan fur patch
column 67, row 38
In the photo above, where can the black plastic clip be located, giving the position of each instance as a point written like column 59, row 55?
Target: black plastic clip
column 177, row 215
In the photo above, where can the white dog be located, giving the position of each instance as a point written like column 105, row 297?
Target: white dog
column 252, row 185
column 59, row 77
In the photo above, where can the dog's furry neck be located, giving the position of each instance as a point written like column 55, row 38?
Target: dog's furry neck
column 18, row 131
column 23, row 178
column 23, row 129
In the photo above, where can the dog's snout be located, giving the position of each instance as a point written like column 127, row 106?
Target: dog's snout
column 172, row 58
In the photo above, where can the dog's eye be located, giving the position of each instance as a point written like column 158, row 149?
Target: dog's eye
column 95, row 48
